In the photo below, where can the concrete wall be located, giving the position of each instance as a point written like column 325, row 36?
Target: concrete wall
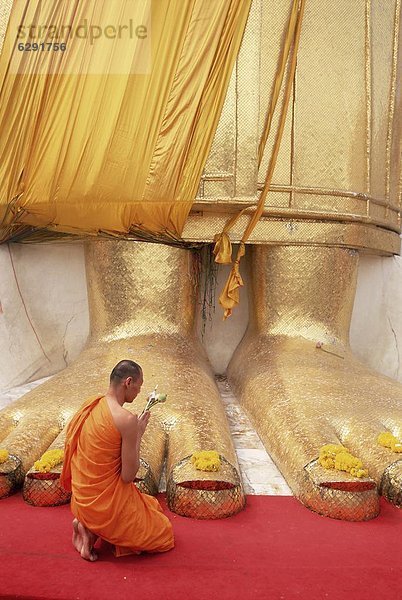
column 44, row 309
column 44, row 313
column 376, row 328
column 221, row 337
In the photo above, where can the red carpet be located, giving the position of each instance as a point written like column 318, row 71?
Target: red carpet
column 275, row 549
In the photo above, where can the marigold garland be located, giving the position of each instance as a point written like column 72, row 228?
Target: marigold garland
column 206, row 460
column 333, row 456
column 49, row 459
column 388, row 440
column 3, row 456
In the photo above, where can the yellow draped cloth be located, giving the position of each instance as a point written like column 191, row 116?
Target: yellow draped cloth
column 99, row 138
column 116, row 511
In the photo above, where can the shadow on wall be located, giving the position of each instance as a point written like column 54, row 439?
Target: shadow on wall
column 44, row 313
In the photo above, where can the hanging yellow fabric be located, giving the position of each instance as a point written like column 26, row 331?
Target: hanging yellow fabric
column 86, row 146
column 229, row 296
column 223, row 245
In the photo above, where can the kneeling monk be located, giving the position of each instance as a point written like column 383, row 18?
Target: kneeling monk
column 101, row 459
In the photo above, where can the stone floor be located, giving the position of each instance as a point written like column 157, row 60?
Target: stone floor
column 259, row 473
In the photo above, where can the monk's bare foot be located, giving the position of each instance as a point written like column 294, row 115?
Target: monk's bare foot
column 88, row 541
column 77, row 538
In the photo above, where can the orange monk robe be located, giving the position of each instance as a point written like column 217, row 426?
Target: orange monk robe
column 116, row 511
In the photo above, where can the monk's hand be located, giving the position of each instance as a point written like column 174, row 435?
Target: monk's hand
column 143, row 422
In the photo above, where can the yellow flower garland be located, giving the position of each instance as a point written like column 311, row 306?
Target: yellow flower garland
column 388, row 440
column 333, row 456
column 3, row 456
column 206, row 460
column 49, row 459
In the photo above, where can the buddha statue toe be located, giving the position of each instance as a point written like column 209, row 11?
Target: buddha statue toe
column 296, row 377
column 142, row 307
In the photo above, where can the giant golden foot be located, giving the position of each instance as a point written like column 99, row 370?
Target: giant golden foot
column 142, row 307
column 300, row 396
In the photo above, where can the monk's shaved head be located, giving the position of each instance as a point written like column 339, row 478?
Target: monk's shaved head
column 124, row 369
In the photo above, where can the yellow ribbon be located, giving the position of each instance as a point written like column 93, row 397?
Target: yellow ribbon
column 223, row 246
column 229, row 297
column 279, row 78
